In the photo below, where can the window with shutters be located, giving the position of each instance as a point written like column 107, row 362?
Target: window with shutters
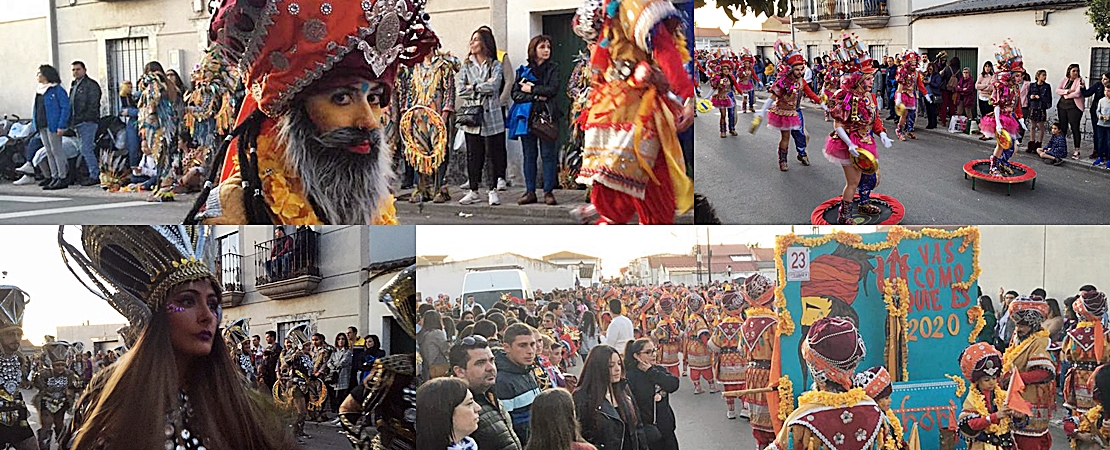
column 1100, row 63
column 877, row 52
column 126, row 59
column 811, row 52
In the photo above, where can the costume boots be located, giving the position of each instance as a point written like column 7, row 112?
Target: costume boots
column 803, row 157
column 782, row 159
column 844, row 214
column 866, row 185
column 994, row 167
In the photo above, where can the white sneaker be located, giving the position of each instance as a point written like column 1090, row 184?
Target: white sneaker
column 465, row 185
column 501, row 184
column 493, row 199
column 26, row 168
column 470, row 198
column 730, row 414
column 27, row 179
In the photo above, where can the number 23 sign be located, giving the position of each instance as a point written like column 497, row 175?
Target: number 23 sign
column 797, row 264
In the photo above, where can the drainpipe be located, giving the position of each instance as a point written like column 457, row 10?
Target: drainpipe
column 52, row 31
column 909, row 26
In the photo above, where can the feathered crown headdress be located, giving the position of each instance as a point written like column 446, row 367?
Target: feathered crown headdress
column 134, row 267
column 851, row 53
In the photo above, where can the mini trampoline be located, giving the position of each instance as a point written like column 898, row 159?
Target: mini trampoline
column 892, row 212
column 980, row 169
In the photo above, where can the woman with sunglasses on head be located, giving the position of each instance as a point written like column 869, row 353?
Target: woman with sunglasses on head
column 651, row 386
column 177, row 386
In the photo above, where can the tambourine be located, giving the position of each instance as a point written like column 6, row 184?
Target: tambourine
column 1004, row 139
column 866, row 162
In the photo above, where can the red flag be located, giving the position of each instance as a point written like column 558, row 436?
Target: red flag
column 1013, row 395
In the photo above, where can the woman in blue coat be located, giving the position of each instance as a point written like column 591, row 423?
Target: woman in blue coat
column 51, row 119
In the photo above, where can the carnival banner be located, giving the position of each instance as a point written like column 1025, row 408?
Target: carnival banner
column 912, row 295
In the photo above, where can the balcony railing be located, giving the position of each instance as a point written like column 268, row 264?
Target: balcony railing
column 837, row 14
column 832, row 10
column 288, row 266
column 231, row 277
column 867, row 8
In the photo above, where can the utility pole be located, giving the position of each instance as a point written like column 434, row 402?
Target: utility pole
column 697, row 254
column 709, row 250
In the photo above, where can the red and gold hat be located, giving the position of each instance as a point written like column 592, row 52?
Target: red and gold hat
column 1029, row 311
column 666, row 304
column 732, row 302
column 694, row 302
column 1091, row 305
column 851, row 53
column 759, row 289
column 284, row 46
column 875, row 381
column 980, row 360
column 833, row 348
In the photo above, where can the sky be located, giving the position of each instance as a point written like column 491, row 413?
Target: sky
column 709, row 16
column 33, row 262
column 615, row 245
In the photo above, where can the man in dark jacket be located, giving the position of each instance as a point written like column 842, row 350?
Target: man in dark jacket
column 270, row 355
column 472, row 360
column 1095, row 92
column 516, row 385
column 84, row 96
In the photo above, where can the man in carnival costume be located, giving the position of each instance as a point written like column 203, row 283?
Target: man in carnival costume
column 668, row 335
column 14, row 369
column 296, row 377
column 1085, row 348
column 640, row 96
column 1028, row 357
column 785, row 104
column 856, row 121
column 758, row 346
column 235, row 335
column 55, row 383
column 1091, row 430
column 697, row 355
column 985, row 422
column 427, row 124
column 835, row 416
column 1005, row 121
column 308, row 145
column 380, row 412
column 725, row 344
column 834, row 70
column 907, row 85
column 876, row 383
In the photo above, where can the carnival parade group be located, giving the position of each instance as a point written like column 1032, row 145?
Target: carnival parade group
column 847, row 98
column 724, row 336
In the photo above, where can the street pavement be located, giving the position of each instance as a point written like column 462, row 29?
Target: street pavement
column 22, row 205
column 741, row 179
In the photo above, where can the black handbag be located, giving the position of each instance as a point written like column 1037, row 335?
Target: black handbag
column 469, row 116
column 542, row 123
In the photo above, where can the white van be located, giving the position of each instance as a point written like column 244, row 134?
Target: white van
column 488, row 284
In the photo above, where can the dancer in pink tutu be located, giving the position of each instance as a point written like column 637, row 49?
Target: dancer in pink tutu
column 833, row 72
column 909, row 84
column 745, row 74
column 722, row 78
column 856, row 121
column 784, row 106
column 1005, row 121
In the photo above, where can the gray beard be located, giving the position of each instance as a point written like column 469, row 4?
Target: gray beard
column 345, row 187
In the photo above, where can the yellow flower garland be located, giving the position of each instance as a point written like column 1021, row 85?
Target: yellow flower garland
column 979, row 405
column 833, row 399
column 961, row 385
column 786, row 397
column 1090, row 419
column 975, row 315
column 897, row 287
column 1013, row 351
column 894, row 236
column 891, row 442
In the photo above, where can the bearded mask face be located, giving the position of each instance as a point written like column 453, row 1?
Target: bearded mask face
column 334, row 143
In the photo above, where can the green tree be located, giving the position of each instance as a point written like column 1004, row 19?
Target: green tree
column 1098, row 12
column 757, row 7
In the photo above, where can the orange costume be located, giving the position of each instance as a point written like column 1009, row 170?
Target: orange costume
column 1085, row 348
column 725, row 343
column 698, row 357
column 668, row 336
column 758, row 347
column 632, row 156
column 1029, row 355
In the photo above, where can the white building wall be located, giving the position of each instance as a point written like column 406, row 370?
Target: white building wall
column 1058, row 258
column 21, row 61
column 447, row 278
column 94, row 337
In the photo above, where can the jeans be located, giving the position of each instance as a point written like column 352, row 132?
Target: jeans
column 134, row 153
column 547, row 152
column 146, row 182
column 55, row 157
column 86, row 132
column 1102, row 141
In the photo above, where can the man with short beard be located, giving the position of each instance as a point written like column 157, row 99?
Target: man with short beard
column 308, row 145
column 14, row 369
column 472, row 360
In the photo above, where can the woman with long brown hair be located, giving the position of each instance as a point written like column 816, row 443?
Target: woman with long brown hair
column 448, row 415
column 554, row 425
column 604, row 404
column 177, row 386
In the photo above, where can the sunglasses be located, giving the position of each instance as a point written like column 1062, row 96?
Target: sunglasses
column 474, row 339
column 650, row 351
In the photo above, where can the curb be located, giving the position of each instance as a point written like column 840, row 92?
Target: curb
column 1081, row 165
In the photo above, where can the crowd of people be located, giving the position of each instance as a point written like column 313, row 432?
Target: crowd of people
column 503, row 377
column 951, row 94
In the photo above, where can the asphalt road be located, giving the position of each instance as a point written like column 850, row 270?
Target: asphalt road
column 25, row 205
column 740, row 177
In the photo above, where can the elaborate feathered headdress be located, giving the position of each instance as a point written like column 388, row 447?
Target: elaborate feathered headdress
column 13, row 300
column 1008, row 58
column 238, row 331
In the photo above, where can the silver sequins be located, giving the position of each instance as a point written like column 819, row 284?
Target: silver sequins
column 367, row 4
column 314, row 30
column 294, row 8
column 325, row 9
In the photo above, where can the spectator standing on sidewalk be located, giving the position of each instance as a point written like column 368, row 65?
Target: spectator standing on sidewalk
column 448, row 415
column 472, row 361
column 951, row 69
column 984, row 87
column 1040, row 99
column 84, row 95
column 479, row 84
column 129, row 109
column 51, row 118
column 1070, row 106
column 517, row 385
column 554, row 424
column 541, row 95
column 1023, row 99
column 965, row 94
column 1096, row 94
column 1102, row 127
column 933, row 84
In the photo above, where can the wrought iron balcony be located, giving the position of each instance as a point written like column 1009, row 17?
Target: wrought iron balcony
column 869, row 13
column 288, row 267
column 833, row 14
column 804, row 17
column 231, row 277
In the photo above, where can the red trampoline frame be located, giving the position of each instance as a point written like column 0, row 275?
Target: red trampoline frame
column 897, row 210
column 970, row 172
